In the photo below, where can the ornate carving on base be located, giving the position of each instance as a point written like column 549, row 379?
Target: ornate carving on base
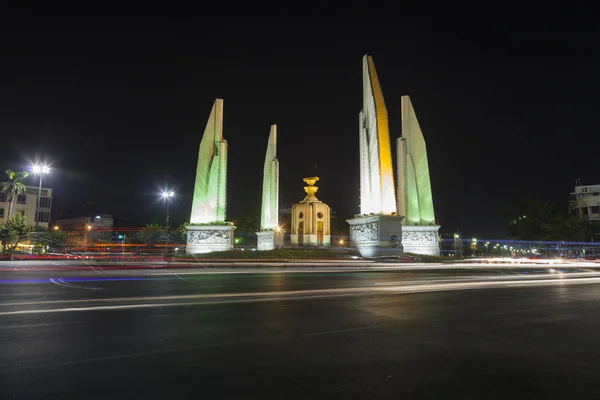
column 269, row 240
column 209, row 238
column 421, row 239
column 364, row 232
column 377, row 235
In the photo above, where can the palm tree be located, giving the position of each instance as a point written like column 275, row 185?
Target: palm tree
column 14, row 187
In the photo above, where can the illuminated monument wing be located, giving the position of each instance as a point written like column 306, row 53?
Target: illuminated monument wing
column 377, row 230
column 210, row 190
column 208, row 230
column 376, row 172
column 270, row 235
column 415, row 203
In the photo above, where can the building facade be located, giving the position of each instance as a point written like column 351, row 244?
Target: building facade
column 26, row 204
column 585, row 203
column 311, row 219
column 85, row 231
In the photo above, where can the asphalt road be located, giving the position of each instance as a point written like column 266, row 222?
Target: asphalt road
column 493, row 334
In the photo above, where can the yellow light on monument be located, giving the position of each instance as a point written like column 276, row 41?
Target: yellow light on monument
column 56, row 227
column 278, row 229
column 88, row 227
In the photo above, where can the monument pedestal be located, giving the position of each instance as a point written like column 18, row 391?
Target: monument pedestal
column 377, row 235
column 421, row 239
column 208, row 238
column 269, row 240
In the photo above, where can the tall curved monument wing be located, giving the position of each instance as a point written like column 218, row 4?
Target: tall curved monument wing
column 377, row 193
column 210, row 189
column 270, row 236
column 377, row 230
column 208, row 230
column 415, row 201
column 270, row 193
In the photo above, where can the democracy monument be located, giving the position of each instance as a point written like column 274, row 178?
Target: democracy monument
column 392, row 222
column 270, row 235
column 396, row 210
column 208, row 231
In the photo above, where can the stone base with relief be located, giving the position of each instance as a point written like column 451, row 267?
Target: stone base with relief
column 269, row 240
column 420, row 239
column 377, row 235
column 209, row 238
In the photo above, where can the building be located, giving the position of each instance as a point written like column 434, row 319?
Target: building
column 311, row 219
column 585, row 203
column 26, row 203
column 85, row 231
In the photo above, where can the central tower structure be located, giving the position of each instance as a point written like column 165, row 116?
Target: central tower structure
column 377, row 230
column 377, row 193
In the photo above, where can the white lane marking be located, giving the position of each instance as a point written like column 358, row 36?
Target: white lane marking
column 62, row 283
column 362, row 328
column 192, row 296
column 160, row 305
column 117, row 357
column 491, row 278
column 44, row 325
column 183, row 279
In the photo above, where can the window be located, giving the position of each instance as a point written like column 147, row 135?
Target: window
column 21, row 212
column 596, row 193
column 43, row 216
column 1, row 212
column 45, row 202
column 595, row 209
column 319, row 215
column 301, row 215
column 22, row 199
column 44, row 192
column 2, row 196
column 585, row 189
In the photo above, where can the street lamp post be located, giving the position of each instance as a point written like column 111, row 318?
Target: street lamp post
column 39, row 170
column 167, row 196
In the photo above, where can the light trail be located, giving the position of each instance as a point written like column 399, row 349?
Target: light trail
column 184, row 300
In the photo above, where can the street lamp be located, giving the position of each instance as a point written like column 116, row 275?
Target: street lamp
column 39, row 170
column 166, row 195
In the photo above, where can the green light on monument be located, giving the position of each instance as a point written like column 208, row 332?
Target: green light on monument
column 210, row 189
column 415, row 200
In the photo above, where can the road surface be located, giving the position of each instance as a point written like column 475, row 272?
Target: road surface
column 302, row 334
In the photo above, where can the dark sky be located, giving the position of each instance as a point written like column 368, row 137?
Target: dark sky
column 118, row 105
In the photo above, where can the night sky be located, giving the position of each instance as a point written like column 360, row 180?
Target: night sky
column 118, row 106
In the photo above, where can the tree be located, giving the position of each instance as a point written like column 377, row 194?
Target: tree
column 55, row 240
column 247, row 223
column 151, row 234
column 15, row 229
column 14, row 187
column 178, row 235
column 528, row 219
